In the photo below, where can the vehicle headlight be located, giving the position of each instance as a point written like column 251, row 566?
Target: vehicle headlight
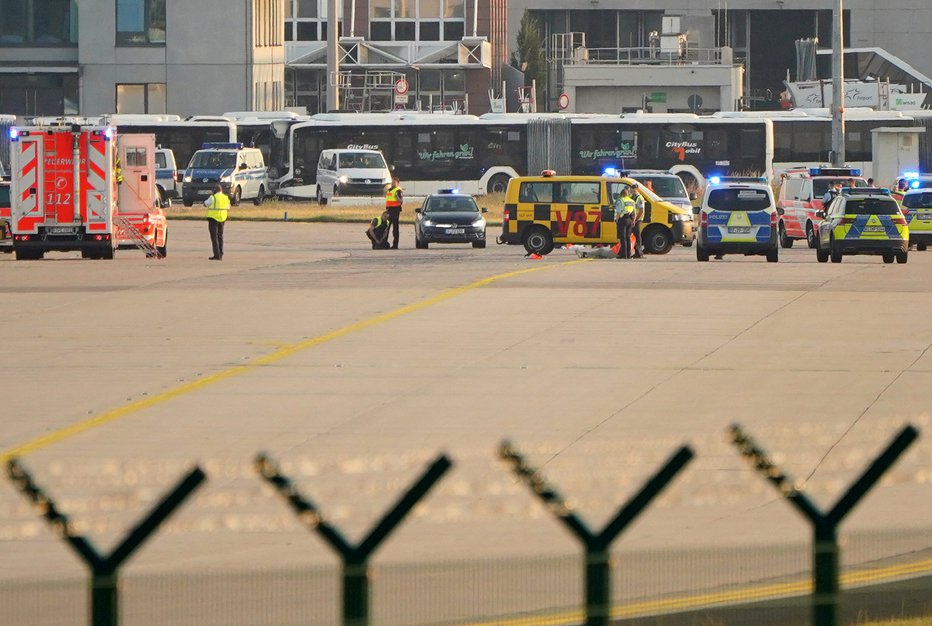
column 187, row 178
column 343, row 179
column 427, row 222
column 682, row 217
column 479, row 223
column 226, row 179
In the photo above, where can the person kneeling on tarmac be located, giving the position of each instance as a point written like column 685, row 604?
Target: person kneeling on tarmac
column 378, row 232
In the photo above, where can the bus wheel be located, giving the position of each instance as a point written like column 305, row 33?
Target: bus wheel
column 657, row 239
column 538, row 240
column 498, row 183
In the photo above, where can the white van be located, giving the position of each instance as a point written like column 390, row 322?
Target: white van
column 349, row 172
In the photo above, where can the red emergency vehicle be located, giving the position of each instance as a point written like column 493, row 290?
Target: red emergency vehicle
column 66, row 194
column 800, row 199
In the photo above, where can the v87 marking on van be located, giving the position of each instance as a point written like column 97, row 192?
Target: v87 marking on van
column 586, row 222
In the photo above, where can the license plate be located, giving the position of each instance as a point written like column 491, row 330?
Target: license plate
column 924, row 217
column 739, row 230
column 62, row 230
column 874, row 229
column 455, row 231
column 204, row 192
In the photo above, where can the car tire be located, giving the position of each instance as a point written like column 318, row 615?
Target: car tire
column 538, row 240
column 821, row 255
column 921, row 247
column 702, row 255
column 773, row 256
column 420, row 245
column 902, row 257
column 657, row 239
column 888, row 257
column 187, row 202
column 260, row 197
column 478, row 244
column 834, row 253
column 236, row 197
column 321, row 200
column 785, row 242
column 811, row 238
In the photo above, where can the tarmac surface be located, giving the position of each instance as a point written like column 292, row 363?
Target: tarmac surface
column 355, row 369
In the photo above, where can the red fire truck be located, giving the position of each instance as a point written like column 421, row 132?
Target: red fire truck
column 77, row 187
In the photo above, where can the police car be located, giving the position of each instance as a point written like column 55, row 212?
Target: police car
column 240, row 171
column 865, row 220
column 737, row 218
column 449, row 216
column 917, row 209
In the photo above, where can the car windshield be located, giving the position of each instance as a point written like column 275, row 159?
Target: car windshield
column 214, row 160
column 918, row 200
column 666, row 186
column 871, row 206
column 362, row 161
column 821, row 185
column 739, row 199
column 441, row 204
column 160, row 162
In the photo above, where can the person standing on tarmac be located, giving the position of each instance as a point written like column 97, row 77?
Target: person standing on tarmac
column 218, row 205
column 393, row 200
column 624, row 222
column 636, row 227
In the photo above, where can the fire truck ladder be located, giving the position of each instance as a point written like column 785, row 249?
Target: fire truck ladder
column 138, row 240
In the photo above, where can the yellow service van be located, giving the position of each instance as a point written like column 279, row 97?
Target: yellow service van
column 548, row 210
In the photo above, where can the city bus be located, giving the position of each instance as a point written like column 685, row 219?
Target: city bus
column 6, row 122
column 802, row 138
column 183, row 136
column 480, row 155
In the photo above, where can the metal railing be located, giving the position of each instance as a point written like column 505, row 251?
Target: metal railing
column 653, row 55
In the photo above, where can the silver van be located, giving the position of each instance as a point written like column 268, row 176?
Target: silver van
column 350, row 172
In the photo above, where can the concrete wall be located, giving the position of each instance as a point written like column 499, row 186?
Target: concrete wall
column 612, row 88
column 209, row 62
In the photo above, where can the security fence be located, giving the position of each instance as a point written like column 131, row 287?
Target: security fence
column 603, row 584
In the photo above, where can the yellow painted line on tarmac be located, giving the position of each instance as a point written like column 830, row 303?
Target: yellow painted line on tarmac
column 733, row 596
column 281, row 353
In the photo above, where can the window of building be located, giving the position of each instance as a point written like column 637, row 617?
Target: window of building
column 306, row 20
column 141, row 98
column 140, row 22
column 38, row 22
column 417, row 20
column 39, row 94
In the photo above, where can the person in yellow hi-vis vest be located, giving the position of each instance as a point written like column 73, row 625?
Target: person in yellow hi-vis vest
column 393, row 202
column 625, row 209
column 218, row 205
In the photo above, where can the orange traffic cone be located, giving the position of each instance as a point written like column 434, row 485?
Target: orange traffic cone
column 536, row 256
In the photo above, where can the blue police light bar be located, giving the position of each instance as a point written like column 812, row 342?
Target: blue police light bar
column 742, row 179
column 108, row 134
column 914, row 184
column 611, row 172
column 714, row 180
column 910, row 175
column 448, row 191
column 14, row 133
column 834, row 171
column 219, row 145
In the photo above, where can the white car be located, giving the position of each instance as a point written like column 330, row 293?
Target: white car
column 351, row 172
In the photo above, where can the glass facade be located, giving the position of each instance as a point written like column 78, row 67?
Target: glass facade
column 38, row 22
column 416, row 20
column 306, row 20
column 141, row 98
column 39, row 94
column 140, row 22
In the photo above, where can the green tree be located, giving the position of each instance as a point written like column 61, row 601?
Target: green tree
column 529, row 57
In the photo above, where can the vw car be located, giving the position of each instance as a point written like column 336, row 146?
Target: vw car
column 449, row 217
column 737, row 218
column 917, row 209
column 866, row 222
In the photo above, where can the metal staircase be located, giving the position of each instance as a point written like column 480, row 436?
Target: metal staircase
column 128, row 228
